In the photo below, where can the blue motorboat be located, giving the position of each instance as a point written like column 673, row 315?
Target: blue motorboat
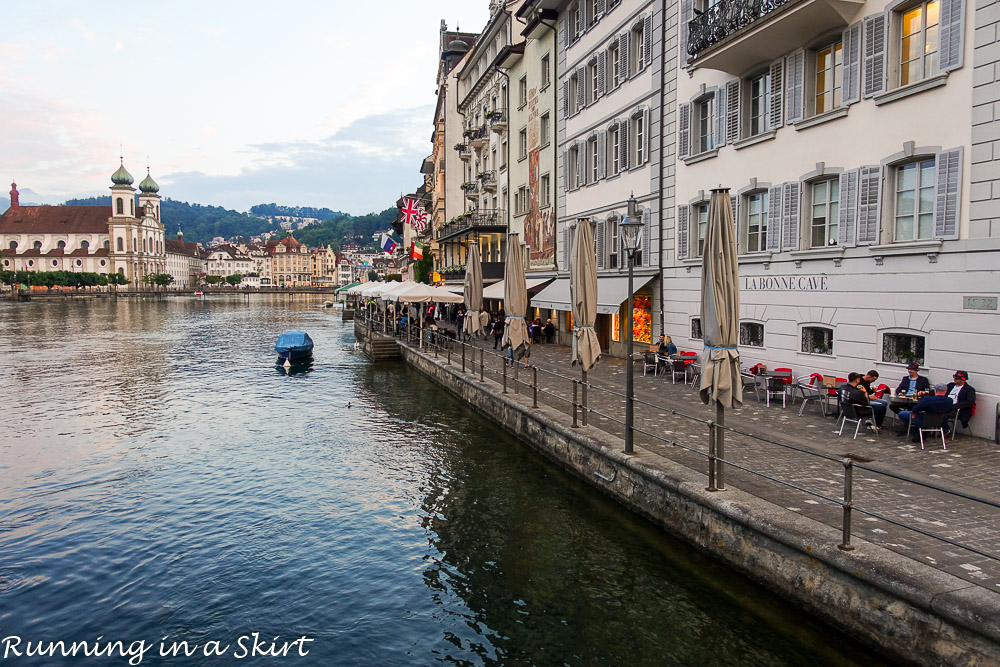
column 293, row 346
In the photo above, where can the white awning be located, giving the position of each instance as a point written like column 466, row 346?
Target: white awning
column 611, row 292
column 495, row 291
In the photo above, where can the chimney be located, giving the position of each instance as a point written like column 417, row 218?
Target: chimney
column 14, row 196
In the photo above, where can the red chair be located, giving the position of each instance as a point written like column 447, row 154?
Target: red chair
column 786, row 378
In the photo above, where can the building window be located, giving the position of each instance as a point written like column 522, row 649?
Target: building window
column 638, row 126
column 37, row 245
column 61, row 245
column 84, row 244
column 521, row 200
column 637, row 44
column 577, row 17
column 704, row 109
column 545, row 71
column 817, row 340
column 752, row 334
column 503, row 154
column 121, row 245
column 756, row 208
column 614, row 148
column 104, row 263
column 120, row 206
column 592, row 11
column 614, row 57
column 696, row 328
column 592, row 158
column 546, row 194
column 701, row 217
column 13, row 245
column 79, row 262
column 829, row 78
column 574, row 103
column 613, row 243
column 55, row 262
column 522, row 91
column 544, row 130
column 902, row 348
column 522, row 144
column 914, row 204
column 572, row 157
column 825, row 213
column 760, row 103
column 918, row 52
column 592, row 87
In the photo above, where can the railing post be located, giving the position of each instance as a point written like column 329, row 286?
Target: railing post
column 517, row 387
column 482, row 366
column 574, row 405
column 534, row 386
column 449, row 355
column 505, row 377
column 584, row 404
column 463, row 355
column 711, row 457
column 848, row 493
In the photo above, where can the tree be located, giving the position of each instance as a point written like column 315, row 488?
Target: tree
column 213, row 280
column 372, row 276
column 422, row 269
column 163, row 279
column 397, row 277
column 234, row 280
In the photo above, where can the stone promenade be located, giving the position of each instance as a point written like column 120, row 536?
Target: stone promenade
column 970, row 465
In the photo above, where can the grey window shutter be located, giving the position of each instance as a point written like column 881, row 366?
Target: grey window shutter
column 874, row 67
column 790, row 216
column 776, row 117
column 581, row 162
column 645, row 135
column 565, row 170
column 564, row 241
column 600, row 9
column 851, row 40
column 682, row 232
column 623, row 56
column 719, row 121
column 683, row 130
column 847, row 226
column 600, row 243
column 869, row 191
column 602, row 154
column 947, row 201
column 646, row 250
column 773, row 241
column 687, row 15
column 602, row 72
column 623, row 139
column 736, row 219
column 581, row 87
column 562, row 34
column 583, row 16
column 733, row 111
column 951, row 23
column 795, row 86
column 565, row 96
column 647, row 39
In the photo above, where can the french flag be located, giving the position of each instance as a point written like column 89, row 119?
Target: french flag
column 388, row 245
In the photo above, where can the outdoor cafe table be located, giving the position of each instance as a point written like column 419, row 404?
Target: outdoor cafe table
column 899, row 403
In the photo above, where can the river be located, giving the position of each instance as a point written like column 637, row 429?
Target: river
column 161, row 478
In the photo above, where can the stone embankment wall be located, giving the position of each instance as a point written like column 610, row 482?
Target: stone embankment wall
column 912, row 612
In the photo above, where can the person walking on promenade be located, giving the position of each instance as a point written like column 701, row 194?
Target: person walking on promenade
column 497, row 332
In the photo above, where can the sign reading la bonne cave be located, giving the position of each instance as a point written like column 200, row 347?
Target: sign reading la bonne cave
column 817, row 283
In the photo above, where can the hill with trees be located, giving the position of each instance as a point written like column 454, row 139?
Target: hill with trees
column 200, row 224
column 273, row 210
column 346, row 228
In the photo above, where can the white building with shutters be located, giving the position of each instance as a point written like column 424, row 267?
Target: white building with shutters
column 612, row 83
column 858, row 143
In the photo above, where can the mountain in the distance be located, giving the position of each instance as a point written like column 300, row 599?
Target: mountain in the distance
column 273, row 210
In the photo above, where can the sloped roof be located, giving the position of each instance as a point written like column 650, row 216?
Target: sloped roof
column 55, row 220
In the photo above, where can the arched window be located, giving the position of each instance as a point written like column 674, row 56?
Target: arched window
column 121, row 272
column 13, row 245
column 131, row 207
column 120, row 206
column 144, row 245
column 107, row 245
column 84, row 244
column 121, row 244
column 38, row 245
column 61, row 245
column 135, row 244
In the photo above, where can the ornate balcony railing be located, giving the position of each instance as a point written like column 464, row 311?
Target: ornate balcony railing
column 478, row 137
column 497, row 119
column 475, row 221
column 725, row 18
column 488, row 179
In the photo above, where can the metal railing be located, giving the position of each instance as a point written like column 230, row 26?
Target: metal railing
column 519, row 376
column 724, row 18
column 487, row 220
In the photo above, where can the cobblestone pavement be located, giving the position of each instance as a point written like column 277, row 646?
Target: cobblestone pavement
column 969, row 465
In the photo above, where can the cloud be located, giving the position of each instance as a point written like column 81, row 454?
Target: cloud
column 362, row 167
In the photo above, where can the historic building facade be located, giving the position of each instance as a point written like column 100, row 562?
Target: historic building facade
column 126, row 238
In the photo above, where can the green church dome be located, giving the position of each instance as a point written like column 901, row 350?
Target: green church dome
column 121, row 177
column 148, row 185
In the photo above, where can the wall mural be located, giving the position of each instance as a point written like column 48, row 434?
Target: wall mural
column 539, row 226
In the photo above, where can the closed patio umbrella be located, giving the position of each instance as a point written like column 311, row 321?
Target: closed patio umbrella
column 473, row 292
column 721, row 382
column 583, row 297
column 515, row 297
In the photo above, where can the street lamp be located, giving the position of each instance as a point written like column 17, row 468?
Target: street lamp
column 630, row 229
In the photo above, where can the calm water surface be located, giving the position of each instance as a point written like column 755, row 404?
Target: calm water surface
column 160, row 477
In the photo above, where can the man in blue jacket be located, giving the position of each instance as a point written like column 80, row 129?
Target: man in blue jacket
column 934, row 404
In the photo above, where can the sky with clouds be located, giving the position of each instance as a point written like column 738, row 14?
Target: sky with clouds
column 324, row 103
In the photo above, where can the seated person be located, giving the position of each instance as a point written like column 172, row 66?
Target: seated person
column 853, row 394
column 938, row 403
column 666, row 346
column 913, row 384
column 963, row 396
column 879, row 406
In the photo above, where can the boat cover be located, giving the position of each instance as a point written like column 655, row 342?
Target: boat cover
column 293, row 340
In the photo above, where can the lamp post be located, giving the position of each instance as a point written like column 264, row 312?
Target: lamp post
column 630, row 229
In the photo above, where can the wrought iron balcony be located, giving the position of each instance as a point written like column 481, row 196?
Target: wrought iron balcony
column 731, row 34
column 474, row 222
column 498, row 120
column 464, row 152
column 478, row 137
column 488, row 179
column 491, row 270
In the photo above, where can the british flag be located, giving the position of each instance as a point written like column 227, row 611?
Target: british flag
column 410, row 211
